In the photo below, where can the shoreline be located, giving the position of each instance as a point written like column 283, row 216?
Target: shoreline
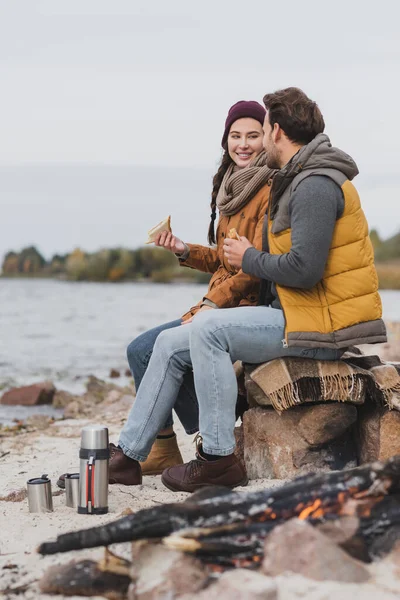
column 54, row 451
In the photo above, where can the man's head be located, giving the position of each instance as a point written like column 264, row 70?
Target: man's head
column 292, row 121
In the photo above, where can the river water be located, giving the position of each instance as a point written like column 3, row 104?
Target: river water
column 64, row 331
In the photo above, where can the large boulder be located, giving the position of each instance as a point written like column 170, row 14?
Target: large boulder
column 300, row 440
column 30, row 395
column 378, row 433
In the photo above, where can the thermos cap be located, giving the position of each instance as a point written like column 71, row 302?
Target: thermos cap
column 38, row 480
column 94, row 437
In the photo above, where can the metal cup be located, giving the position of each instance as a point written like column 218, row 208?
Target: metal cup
column 39, row 494
column 72, row 489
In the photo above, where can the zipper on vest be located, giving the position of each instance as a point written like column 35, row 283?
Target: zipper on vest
column 285, row 340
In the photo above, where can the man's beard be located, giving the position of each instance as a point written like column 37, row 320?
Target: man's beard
column 273, row 158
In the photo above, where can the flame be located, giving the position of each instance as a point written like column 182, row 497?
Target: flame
column 306, row 512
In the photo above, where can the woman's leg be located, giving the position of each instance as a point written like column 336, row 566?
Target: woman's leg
column 139, row 353
column 158, row 391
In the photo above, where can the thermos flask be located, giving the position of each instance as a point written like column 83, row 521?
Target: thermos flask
column 39, row 494
column 93, row 472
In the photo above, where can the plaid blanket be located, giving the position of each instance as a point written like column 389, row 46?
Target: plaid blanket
column 290, row 381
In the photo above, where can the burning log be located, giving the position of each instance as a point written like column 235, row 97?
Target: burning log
column 229, row 528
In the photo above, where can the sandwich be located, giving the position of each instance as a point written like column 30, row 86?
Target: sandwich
column 162, row 226
column 233, row 234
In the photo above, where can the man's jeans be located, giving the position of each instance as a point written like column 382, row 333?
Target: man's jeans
column 139, row 353
column 210, row 344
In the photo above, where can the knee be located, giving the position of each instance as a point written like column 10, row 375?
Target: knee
column 138, row 350
column 165, row 342
column 204, row 325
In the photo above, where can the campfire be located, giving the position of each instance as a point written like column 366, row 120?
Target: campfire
column 226, row 529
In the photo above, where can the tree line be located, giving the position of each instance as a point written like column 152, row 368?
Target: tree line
column 155, row 264
column 113, row 264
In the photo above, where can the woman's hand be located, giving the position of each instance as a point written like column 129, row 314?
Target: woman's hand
column 166, row 240
column 202, row 309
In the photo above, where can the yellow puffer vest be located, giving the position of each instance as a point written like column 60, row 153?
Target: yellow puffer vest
column 344, row 308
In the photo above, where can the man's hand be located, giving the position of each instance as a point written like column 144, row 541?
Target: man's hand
column 202, row 309
column 234, row 251
column 166, row 240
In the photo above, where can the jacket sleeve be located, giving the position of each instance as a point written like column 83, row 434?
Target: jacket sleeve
column 316, row 204
column 231, row 291
column 202, row 258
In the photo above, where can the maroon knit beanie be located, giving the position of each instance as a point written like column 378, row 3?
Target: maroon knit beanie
column 241, row 110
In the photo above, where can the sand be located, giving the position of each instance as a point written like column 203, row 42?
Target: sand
column 54, row 451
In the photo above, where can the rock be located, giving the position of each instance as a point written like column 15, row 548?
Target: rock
column 112, row 397
column 343, row 532
column 114, row 373
column 339, row 530
column 325, row 422
column 128, row 373
column 298, row 547
column 239, row 584
column 99, row 389
column 378, row 433
column 30, row 395
column 123, row 404
column 84, row 578
column 72, row 410
column 61, row 399
column 162, row 573
column 275, row 448
column 239, row 450
column 39, row 422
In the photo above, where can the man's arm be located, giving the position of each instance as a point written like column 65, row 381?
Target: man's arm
column 314, row 208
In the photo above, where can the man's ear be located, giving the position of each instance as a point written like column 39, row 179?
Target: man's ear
column 276, row 133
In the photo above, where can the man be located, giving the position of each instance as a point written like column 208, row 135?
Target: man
column 319, row 295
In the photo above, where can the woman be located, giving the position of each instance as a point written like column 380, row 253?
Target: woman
column 240, row 192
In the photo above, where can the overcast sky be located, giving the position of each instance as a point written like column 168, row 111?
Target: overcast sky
column 149, row 83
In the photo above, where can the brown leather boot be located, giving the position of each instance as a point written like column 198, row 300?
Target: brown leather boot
column 123, row 469
column 199, row 473
column 164, row 453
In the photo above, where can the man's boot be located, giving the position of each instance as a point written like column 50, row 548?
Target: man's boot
column 123, row 469
column 164, row 453
column 196, row 474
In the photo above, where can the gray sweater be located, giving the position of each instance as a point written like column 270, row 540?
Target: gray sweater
column 314, row 207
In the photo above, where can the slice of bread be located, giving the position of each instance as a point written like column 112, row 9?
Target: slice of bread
column 233, row 234
column 164, row 225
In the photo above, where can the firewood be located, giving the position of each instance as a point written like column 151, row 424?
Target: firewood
column 359, row 492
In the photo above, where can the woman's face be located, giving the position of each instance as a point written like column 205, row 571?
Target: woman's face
column 245, row 141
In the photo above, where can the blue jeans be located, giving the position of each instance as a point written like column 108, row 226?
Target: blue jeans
column 139, row 353
column 210, row 344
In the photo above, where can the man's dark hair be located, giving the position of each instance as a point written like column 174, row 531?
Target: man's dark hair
column 298, row 116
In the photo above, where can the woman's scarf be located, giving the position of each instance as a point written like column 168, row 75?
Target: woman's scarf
column 240, row 185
